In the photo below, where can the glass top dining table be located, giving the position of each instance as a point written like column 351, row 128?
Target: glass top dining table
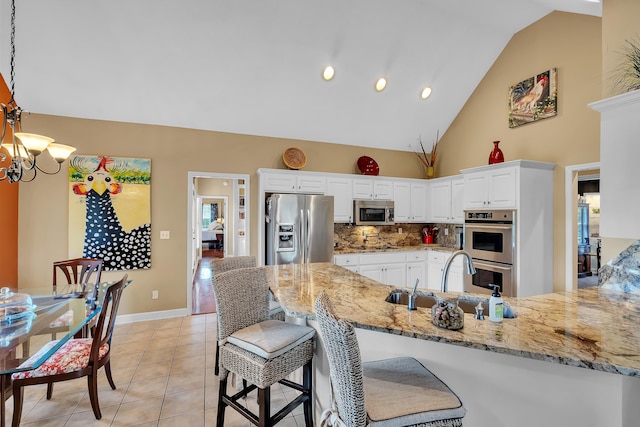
column 23, row 337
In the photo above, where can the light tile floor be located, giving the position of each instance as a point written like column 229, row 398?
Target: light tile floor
column 163, row 371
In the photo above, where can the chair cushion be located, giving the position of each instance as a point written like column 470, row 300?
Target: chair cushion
column 418, row 395
column 72, row 356
column 64, row 320
column 271, row 338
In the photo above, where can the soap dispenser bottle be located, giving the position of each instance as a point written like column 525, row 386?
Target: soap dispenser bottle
column 496, row 306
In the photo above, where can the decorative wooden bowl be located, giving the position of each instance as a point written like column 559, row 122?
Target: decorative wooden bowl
column 294, row 158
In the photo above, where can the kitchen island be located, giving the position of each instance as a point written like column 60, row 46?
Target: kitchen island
column 567, row 359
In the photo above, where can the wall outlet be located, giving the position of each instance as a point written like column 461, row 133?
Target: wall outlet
column 446, row 231
column 399, row 230
column 165, row 235
column 154, row 294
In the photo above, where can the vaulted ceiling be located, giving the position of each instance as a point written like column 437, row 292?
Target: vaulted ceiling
column 254, row 66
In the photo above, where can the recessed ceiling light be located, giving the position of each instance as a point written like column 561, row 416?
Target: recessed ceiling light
column 381, row 84
column 328, row 73
column 426, row 92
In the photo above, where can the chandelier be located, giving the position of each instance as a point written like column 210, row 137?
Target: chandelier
column 24, row 148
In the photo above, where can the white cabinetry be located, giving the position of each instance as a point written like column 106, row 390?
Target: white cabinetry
column 387, row 268
column 350, row 262
column 294, row 182
column 491, row 189
column 417, row 269
column 457, row 199
column 341, row 190
column 372, row 189
column 526, row 187
column 446, row 200
column 435, row 269
column 391, row 268
column 410, row 201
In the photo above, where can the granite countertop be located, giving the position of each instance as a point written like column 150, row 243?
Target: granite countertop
column 341, row 250
column 591, row 328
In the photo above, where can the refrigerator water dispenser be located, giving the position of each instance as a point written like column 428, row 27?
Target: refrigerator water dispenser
column 286, row 240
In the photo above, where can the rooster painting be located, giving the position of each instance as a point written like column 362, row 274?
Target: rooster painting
column 533, row 99
column 123, row 243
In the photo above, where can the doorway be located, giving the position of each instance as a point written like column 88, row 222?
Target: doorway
column 572, row 177
column 230, row 195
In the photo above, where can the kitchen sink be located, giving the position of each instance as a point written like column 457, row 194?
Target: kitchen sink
column 466, row 303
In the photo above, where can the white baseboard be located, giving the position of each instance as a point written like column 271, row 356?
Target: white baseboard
column 151, row 315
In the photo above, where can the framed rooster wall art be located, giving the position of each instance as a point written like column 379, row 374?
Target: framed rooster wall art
column 533, row 99
column 110, row 211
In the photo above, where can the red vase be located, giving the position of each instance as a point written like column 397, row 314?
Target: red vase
column 496, row 155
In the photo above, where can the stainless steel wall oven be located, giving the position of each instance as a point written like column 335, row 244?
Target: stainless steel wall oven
column 489, row 237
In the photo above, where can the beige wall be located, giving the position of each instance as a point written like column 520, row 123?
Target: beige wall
column 570, row 43
column 173, row 153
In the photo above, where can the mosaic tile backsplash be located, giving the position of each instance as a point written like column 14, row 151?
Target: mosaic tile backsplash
column 355, row 236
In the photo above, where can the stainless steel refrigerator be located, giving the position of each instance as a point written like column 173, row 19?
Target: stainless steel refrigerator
column 299, row 229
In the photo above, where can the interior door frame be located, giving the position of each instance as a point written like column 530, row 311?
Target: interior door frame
column 192, row 221
column 571, row 222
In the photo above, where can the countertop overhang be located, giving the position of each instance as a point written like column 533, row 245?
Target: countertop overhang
column 591, row 328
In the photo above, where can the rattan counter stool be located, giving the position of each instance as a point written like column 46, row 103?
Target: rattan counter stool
column 221, row 265
column 257, row 349
column 384, row 393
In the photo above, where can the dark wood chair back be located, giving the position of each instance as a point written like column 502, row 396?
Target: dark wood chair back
column 78, row 271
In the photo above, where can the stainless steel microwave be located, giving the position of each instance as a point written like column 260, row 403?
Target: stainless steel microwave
column 373, row 212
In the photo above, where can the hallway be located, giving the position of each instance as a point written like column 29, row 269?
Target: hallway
column 202, row 296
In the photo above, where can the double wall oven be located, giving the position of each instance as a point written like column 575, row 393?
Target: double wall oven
column 489, row 237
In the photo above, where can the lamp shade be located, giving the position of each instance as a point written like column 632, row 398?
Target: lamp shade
column 35, row 143
column 15, row 150
column 60, row 152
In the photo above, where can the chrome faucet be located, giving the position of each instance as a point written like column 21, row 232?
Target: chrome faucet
column 447, row 265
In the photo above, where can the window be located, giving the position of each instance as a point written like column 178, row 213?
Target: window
column 209, row 214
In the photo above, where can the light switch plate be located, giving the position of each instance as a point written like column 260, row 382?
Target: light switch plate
column 165, row 235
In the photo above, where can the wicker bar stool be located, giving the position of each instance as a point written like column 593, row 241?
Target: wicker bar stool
column 221, row 265
column 257, row 349
column 361, row 392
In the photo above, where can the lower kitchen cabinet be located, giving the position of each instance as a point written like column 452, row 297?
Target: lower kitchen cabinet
column 435, row 270
column 387, row 268
column 350, row 261
column 391, row 268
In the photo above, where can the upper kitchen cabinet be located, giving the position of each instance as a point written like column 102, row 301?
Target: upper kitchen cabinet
column 372, row 189
column 502, row 185
column 491, row 189
column 410, row 201
column 446, row 200
column 340, row 188
column 294, row 182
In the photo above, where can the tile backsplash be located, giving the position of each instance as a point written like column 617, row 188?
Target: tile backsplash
column 354, row 236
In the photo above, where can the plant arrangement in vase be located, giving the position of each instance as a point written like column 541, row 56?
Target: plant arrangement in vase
column 627, row 75
column 428, row 160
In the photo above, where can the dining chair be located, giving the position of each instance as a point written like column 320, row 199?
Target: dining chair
column 259, row 350
column 78, row 272
column 76, row 358
column 220, row 265
column 392, row 392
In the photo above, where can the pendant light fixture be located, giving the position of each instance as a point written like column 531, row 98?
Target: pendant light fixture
column 23, row 148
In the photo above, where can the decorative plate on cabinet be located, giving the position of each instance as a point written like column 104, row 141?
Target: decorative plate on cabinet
column 368, row 166
column 294, row 158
